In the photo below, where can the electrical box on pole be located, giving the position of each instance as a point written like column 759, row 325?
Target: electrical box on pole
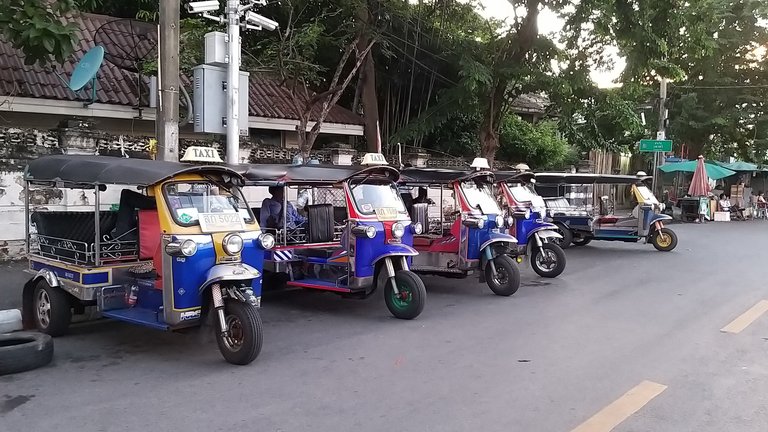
column 210, row 100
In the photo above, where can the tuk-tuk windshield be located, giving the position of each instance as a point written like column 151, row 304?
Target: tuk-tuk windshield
column 647, row 196
column 187, row 200
column 372, row 196
column 523, row 193
column 479, row 195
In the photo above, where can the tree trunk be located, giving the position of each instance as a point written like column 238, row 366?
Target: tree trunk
column 489, row 140
column 368, row 81
column 370, row 104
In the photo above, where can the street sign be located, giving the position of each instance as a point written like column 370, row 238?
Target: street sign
column 655, row 145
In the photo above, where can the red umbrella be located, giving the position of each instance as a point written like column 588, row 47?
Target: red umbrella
column 700, row 183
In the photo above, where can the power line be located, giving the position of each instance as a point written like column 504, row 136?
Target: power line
column 723, row 87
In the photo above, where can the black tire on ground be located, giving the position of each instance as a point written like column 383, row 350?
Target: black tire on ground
column 51, row 309
column 581, row 241
column 23, row 351
column 506, row 281
column 664, row 239
column 246, row 332
column 412, row 296
column 551, row 263
column 564, row 242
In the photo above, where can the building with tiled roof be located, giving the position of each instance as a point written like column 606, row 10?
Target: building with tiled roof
column 122, row 102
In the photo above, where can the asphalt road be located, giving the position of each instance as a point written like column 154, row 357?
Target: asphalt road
column 546, row 359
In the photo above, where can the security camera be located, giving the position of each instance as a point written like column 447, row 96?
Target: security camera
column 203, row 6
column 264, row 22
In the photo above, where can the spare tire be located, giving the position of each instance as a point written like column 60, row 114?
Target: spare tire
column 24, row 351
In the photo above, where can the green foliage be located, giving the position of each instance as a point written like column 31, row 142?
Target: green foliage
column 539, row 145
column 36, row 29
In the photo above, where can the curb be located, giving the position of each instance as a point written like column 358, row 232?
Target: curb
column 10, row 320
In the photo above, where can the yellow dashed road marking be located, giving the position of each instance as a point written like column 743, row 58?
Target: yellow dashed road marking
column 618, row 411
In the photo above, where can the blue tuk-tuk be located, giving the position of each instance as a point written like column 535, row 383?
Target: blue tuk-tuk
column 525, row 220
column 172, row 252
column 467, row 237
column 571, row 199
column 351, row 235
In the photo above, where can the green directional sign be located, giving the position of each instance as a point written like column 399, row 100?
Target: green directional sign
column 655, row 145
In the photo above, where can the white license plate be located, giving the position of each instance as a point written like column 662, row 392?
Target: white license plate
column 220, row 222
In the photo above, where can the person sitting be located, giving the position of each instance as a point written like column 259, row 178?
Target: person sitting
column 422, row 197
column 271, row 214
column 125, row 226
column 726, row 206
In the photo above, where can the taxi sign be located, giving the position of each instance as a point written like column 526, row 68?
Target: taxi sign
column 201, row 154
column 480, row 163
column 374, row 159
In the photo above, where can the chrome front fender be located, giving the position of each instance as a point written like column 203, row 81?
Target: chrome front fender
column 229, row 272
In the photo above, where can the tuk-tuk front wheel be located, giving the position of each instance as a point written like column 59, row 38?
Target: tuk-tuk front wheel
column 548, row 260
column 242, row 342
column 411, row 295
column 506, row 280
column 664, row 239
column 51, row 308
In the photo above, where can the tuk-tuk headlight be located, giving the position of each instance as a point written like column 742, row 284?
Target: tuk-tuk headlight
column 186, row 248
column 418, row 228
column 267, row 241
column 510, row 220
column 364, row 230
column 398, row 230
column 474, row 222
column 499, row 221
column 232, row 244
column 528, row 213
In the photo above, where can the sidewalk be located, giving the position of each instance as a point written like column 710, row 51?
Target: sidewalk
column 13, row 279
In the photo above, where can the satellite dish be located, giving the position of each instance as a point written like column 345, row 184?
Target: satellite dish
column 86, row 69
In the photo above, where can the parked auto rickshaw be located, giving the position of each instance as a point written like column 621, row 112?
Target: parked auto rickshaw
column 179, row 257
column 467, row 239
column 525, row 220
column 644, row 223
column 357, row 236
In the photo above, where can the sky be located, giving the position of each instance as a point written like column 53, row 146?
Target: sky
column 549, row 22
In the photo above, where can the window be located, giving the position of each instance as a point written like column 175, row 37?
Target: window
column 187, row 200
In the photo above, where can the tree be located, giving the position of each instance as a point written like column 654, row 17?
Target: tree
column 293, row 56
column 37, row 30
column 708, row 48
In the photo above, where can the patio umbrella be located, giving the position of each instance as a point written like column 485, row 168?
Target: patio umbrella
column 713, row 171
column 738, row 166
column 700, row 183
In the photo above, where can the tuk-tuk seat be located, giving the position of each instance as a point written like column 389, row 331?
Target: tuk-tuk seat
column 320, row 223
column 316, row 252
column 150, row 246
column 605, row 220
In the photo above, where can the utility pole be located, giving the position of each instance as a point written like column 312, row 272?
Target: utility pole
column 233, row 81
column 661, row 134
column 167, row 118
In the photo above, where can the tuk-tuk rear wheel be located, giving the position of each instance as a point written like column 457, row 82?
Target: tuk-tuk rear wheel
column 246, row 332
column 52, row 309
column 564, row 242
column 506, row 280
column 409, row 301
column 581, row 241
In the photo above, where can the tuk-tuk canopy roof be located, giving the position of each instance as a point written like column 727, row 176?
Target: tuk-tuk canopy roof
column 440, row 176
column 584, row 178
column 281, row 175
column 510, row 176
column 104, row 170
